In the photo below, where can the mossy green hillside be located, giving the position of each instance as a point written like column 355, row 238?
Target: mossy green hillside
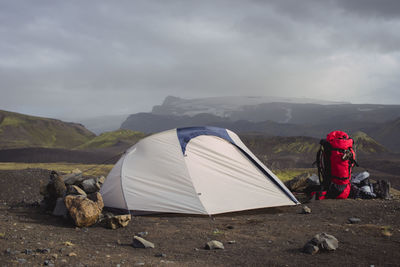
column 366, row 144
column 109, row 139
column 19, row 130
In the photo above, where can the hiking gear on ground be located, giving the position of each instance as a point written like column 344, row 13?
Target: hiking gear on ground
column 382, row 189
column 335, row 160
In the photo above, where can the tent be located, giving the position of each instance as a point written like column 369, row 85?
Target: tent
column 194, row 170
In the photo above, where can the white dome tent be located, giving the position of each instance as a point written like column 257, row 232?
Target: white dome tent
column 194, row 170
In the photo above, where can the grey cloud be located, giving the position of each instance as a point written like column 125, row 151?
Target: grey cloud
column 103, row 57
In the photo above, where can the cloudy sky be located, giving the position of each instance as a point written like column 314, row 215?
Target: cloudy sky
column 71, row 59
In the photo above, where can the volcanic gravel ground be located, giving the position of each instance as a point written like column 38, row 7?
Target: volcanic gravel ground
column 267, row 237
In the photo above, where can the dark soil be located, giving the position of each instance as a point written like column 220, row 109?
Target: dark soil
column 267, row 237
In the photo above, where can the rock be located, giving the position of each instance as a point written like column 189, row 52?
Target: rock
column 117, row 221
column 48, row 263
column 161, row 255
column 54, row 189
column 75, row 190
column 310, row 248
column 68, row 244
column 214, row 244
column 44, row 250
column 101, row 180
column 28, row 251
column 232, row 242
column 306, row 210
column 139, row 264
column 22, row 261
column 72, row 254
column 139, row 242
column 354, row 220
column 85, row 211
column 142, row 234
column 230, row 227
column 90, row 185
column 60, row 209
column 73, row 178
column 299, row 183
column 325, row 241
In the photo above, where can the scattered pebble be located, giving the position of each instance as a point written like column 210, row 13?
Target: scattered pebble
column 306, row 210
column 232, row 242
column 142, row 234
column 72, row 254
column 354, row 220
column 21, row 260
column 139, row 242
column 214, row 244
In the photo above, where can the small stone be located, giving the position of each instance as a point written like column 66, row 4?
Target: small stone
column 28, row 251
column 306, row 210
column 139, row 242
column 162, row 255
column 139, row 264
column 54, row 256
column 354, row 220
column 44, row 250
column 48, row 263
column 101, row 180
column 142, row 234
column 68, row 244
column 63, row 260
column 90, row 185
column 232, row 242
column 72, row 254
column 310, row 248
column 325, row 241
column 117, row 221
column 75, row 190
column 230, row 227
column 214, row 244
column 21, row 261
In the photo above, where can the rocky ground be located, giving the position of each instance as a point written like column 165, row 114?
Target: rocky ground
column 272, row 237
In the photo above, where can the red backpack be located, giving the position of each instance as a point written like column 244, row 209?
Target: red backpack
column 335, row 160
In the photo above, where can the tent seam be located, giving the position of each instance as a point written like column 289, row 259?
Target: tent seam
column 191, row 181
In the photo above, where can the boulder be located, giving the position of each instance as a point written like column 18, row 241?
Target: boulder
column 214, row 244
column 56, row 187
column 300, row 182
column 85, row 211
column 53, row 190
column 75, row 190
column 60, row 208
column 114, row 222
column 73, row 178
column 90, row 185
column 139, row 242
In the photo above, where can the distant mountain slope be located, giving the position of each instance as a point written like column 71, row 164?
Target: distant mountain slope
column 115, row 138
column 365, row 144
column 103, row 124
column 278, row 109
column 21, row 131
column 387, row 133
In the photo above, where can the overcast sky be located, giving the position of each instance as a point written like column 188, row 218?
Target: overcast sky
column 70, row 59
